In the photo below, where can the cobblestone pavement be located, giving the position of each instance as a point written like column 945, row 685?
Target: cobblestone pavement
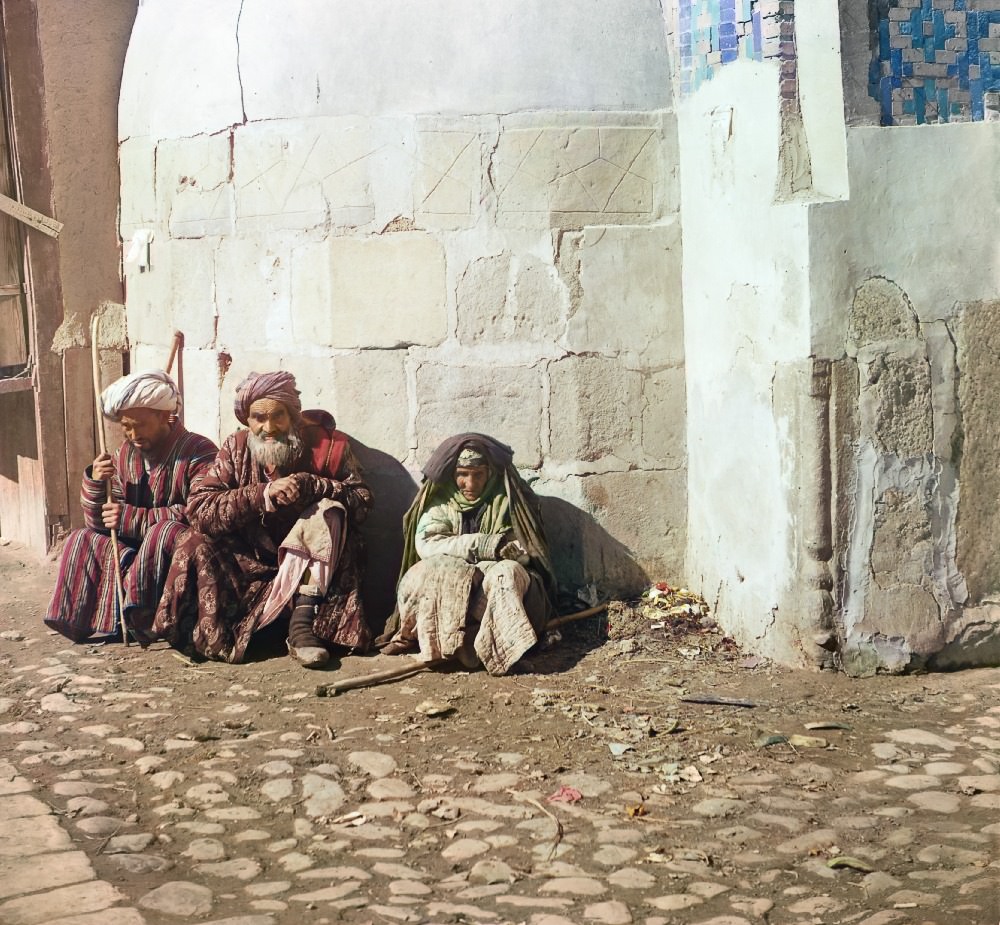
column 138, row 788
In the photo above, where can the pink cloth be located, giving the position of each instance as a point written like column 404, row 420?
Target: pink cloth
column 278, row 386
column 314, row 544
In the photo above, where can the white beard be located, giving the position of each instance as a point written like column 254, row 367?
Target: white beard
column 277, row 453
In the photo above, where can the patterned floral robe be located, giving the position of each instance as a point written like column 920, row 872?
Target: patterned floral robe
column 153, row 519
column 221, row 576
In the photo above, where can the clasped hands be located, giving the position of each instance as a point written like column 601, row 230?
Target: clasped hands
column 297, row 487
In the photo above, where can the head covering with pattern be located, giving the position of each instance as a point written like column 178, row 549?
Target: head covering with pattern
column 278, row 386
column 152, row 389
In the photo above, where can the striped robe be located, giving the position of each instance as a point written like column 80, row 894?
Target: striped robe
column 153, row 519
column 220, row 579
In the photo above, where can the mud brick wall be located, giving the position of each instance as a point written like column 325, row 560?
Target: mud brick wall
column 937, row 61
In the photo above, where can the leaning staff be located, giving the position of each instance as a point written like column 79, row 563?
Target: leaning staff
column 95, row 329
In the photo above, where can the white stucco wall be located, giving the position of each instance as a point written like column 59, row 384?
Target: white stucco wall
column 923, row 210
column 746, row 317
column 908, row 273
column 441, row 216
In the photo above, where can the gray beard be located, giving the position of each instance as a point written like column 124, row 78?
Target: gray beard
column 279, row 453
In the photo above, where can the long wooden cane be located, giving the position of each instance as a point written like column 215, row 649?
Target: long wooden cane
column 95, row 332
column 411, row 667
column 176, row 344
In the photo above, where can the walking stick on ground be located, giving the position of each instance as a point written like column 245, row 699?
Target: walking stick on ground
column 410, row 667
column 95, row 333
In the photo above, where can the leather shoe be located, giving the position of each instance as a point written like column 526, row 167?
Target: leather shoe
column 308, row 656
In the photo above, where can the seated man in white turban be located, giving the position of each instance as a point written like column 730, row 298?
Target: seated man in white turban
column 150, row 475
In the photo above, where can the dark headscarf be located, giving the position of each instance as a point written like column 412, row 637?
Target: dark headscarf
column 278, row 386
column 441, row 465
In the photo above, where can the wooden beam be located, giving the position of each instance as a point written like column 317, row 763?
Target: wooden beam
column 30, row 217
column 15, row 384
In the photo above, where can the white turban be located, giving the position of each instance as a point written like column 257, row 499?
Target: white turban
column 154, row 390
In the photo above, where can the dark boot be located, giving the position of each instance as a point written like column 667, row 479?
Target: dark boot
column 303, row 646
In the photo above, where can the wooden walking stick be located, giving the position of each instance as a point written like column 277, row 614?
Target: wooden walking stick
column 411, row 667
column 176, row 344
column 95, row 331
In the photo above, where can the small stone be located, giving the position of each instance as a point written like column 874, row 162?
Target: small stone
column 631, row 878
column 718, row 807
column 275, row 768
column 587, row 784
column 936, row 801
column 295, row 861
column 205, row 849
column 390, row 788
column 127, row 743
column 492, row 871
column 608, row 913
column 375, row 764
column 99, row 825
column 321, row 797
column 164, row 780
column 129, row 844
column 101, row 730
column 879, row 882
column 922, row 737
column 674, row 902
column 613, row 855
column 147, row 763
column 464, row 848
column 408, row 888
column 210, row 794
column 179, row 898
column 60, row 703
column 914, row 897
column 811, row 842
column 268, row 888
column 240, row 869
column 818, row 906
column 495, row 783
column 913, row 782
column 86, row 806
column 141, row 863
column 574, row 886
column 277, row 790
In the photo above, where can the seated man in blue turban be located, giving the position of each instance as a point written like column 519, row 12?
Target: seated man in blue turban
column 477, row 582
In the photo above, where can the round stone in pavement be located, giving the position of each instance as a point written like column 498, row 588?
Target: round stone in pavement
column 375, row 764
column 178, row 897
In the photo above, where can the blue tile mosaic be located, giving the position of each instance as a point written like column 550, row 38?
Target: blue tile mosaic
column 713, row 33
column 936, row 60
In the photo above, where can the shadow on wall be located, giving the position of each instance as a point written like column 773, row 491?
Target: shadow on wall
column 393, row 491
column 591, row 565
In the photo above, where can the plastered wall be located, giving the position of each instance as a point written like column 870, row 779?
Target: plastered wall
column 911, row 329
column 442, row 217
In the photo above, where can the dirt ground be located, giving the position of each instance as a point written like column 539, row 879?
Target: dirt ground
column 606, row 700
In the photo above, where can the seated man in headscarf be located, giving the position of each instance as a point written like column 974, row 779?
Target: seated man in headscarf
column 276, row 518
column 477, row 581
column 150, row 474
